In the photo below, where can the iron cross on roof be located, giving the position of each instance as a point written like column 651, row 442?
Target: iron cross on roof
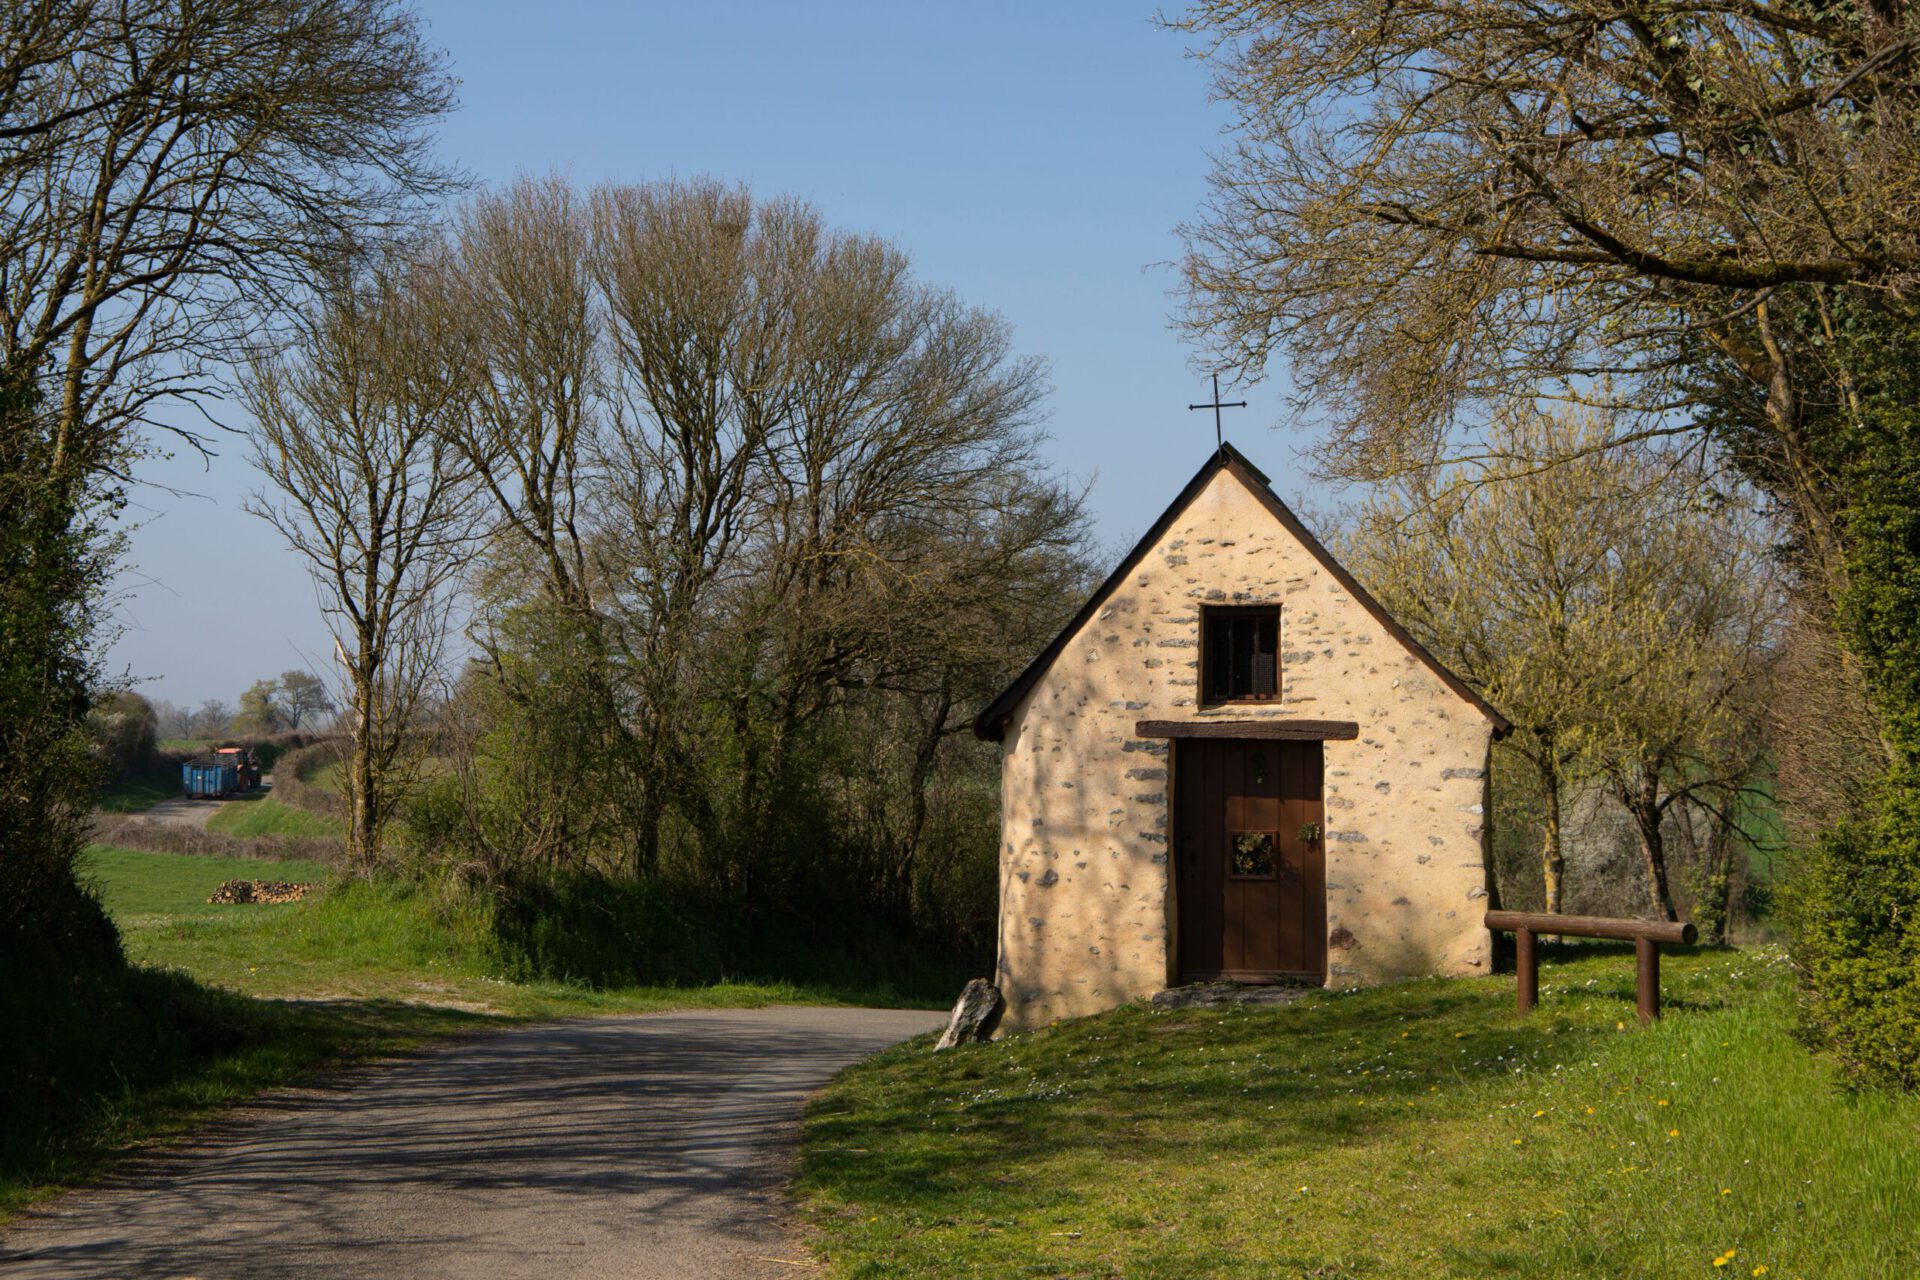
column 1217, row 405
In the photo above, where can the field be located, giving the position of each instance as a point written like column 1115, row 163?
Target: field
column 1419, row 1129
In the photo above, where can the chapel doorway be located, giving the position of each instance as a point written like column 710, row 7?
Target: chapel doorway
column 1250, row 860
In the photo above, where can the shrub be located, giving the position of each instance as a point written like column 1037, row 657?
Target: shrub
column 1855, row 908
column 124, row 730
column 605, row 932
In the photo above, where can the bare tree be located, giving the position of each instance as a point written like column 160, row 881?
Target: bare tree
column 304, row 698
column 523, row 287
column 177, row 165
column 354, row 434
column 213, row 719
column 1606, row 600
column 1436, row 203
column 168, row 170
column 762, row 472
column 1685, row 725
column 173, row 720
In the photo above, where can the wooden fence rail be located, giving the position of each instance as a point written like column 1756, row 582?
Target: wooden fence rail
column 1646, row 936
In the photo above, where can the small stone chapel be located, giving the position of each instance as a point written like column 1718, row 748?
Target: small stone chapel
column 1234, row 764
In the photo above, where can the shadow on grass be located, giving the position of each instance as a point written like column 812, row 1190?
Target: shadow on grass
column 123, row 1055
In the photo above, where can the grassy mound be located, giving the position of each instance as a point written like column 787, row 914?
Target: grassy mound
column 259, row 814
column 1418, row 1129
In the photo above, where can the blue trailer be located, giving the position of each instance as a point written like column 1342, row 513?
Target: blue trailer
column 207, row 777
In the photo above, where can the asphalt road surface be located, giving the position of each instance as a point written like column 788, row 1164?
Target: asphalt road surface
column 179, row 811
column 635, row 1147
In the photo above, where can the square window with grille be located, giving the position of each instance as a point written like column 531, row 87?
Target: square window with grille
column 1240, row 654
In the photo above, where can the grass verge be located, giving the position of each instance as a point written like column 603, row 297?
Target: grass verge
column 1417, row 1129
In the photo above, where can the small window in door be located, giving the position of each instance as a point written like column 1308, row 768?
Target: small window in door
column 1252, row 856
column 1240, row 654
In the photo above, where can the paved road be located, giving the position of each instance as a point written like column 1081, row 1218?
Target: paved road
column 639, row 1148
column 179, row 811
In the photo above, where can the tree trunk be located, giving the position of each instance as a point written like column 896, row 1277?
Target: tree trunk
column 1716, row 885
column 925, row 757
column 1553, row 862
column 1643, row 800
column 362, row 827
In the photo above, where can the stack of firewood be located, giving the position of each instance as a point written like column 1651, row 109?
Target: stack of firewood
column 260, row 891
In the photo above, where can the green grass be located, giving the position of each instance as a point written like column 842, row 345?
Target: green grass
column 143, row 889
column 361, row 941
column 1418, row 1129
column 259, row 814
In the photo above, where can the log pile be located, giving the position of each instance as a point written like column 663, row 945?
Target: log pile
column 267, row 891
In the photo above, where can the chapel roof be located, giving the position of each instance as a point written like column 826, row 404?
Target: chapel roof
column 990, row 725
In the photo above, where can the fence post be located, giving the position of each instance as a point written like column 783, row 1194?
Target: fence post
column 1526, row 970
column 1646, row 978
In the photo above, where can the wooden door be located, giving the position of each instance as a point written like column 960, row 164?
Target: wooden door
column 1250, row 864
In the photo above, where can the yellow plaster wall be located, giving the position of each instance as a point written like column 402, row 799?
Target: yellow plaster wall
column 1086, row 908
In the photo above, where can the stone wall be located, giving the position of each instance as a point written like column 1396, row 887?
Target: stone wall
column 1086, row 910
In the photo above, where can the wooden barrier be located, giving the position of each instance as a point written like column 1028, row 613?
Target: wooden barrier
column 1646, row 936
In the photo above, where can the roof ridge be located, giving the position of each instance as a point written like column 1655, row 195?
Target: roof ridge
column 990, row 724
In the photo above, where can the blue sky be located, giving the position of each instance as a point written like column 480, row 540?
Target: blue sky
column 1036, row 158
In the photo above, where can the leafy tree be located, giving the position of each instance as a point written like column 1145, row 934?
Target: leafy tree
column 304, row 697
column 1856, row 903
column 55, row 542
column 260, row 711
column 124, row 729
